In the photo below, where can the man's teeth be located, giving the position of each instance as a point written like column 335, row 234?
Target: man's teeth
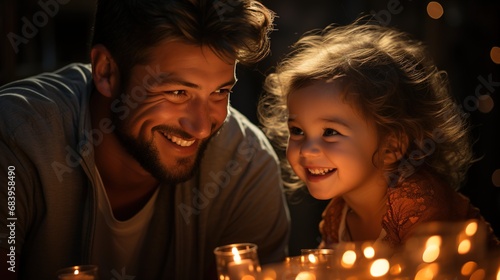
column 179, row 141
column 320, row 171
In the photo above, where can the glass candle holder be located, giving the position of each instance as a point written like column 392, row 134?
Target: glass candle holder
column 78, row 272
column 237, row 261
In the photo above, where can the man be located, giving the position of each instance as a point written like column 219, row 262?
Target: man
column 137, row 163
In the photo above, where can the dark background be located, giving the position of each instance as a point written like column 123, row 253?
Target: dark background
column 460, row 42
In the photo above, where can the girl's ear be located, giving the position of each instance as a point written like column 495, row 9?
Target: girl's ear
column 394, row 148
column 104, row 71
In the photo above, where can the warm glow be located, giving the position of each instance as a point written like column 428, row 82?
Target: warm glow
column 304, row 275
column 312, row 258
column 379, row 268
column 236, row 257
column 369, row 252
column 348, row 259
column 435, row 10
column 247, row 277
column 427, row 272
column 498, row 274
column 468, row 268
column 432, row 251
column 76, row 272
column 495, row 55
column 464, row 247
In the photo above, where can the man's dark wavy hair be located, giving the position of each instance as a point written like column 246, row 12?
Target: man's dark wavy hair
column 235, row 29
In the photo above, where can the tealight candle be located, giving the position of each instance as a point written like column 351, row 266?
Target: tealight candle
column 237, row 261
column 86, row 272
column 240, row 267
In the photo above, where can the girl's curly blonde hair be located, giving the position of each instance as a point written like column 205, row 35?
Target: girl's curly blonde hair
column 390, row 79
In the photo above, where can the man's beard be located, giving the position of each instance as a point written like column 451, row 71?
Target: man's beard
column 148, row 156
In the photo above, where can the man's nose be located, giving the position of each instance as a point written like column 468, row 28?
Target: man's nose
column 197, row 121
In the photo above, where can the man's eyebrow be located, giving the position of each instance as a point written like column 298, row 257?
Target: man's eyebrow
column 169, row 79
column 166, row 79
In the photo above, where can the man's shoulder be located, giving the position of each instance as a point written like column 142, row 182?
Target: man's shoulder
column 239, row 125
column 45, row 97
column 73, row 80
column 241, row 143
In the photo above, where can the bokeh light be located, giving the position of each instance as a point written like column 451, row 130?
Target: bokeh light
column 432, row 249
column 379, row 268
column 464, row 247
column 369, row 252
column 435, row 10
column 495, row 178
column 471, row 228
column 468, row 268
column 485, row 103
column 495, row 55
column 348, row 259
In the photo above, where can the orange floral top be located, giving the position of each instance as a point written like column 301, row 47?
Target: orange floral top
column 420, row 198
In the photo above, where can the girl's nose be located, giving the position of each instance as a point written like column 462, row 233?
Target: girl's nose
column 310, row 148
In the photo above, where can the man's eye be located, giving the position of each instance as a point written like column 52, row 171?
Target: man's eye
column 176, row 92
column 223, row 91
column 295, row 131
column 330, row 132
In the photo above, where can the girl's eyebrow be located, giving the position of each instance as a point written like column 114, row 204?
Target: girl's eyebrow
column 332, row 120
column 336, row 120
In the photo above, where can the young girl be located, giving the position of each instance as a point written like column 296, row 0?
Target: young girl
column 366, row 118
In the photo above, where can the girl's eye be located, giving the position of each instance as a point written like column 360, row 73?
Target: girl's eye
column 330, row 132
column 295, row 131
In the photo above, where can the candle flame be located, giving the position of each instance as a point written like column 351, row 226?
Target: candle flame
column 236, row 255
column 312, row 258
column 76, row 272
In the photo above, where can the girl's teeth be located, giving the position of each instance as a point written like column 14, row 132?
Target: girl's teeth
column 320, row 171
column 179, row 141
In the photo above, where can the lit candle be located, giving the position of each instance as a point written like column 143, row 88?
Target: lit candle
column 76, row 275
column 240, row 267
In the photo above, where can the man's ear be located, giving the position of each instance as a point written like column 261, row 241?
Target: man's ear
column 104, row 71
column 394, row 148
